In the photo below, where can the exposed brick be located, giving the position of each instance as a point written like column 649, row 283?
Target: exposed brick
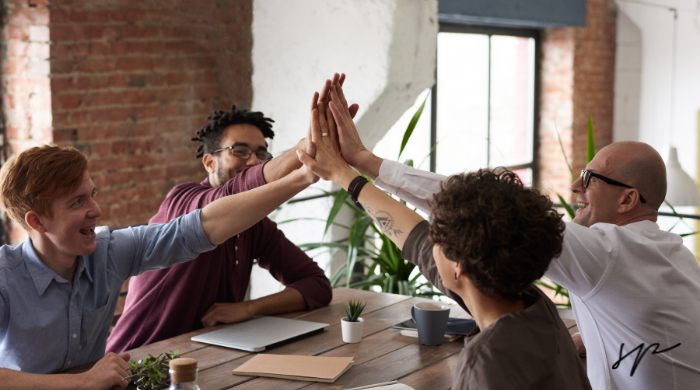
column 577, row 79
column 14, row 66
column 126, row 83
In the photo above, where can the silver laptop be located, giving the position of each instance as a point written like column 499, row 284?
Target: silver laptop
column 257, row 334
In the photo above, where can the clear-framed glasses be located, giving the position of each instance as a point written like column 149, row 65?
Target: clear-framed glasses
column 586, row 176
column 243, row 152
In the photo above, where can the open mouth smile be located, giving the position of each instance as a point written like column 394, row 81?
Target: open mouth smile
column 88, row 231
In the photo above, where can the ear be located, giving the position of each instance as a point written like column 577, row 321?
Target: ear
column 630, row 200
column 208, row 162
column 33, row 220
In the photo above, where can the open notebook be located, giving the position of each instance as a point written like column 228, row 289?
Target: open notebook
column 294, row 367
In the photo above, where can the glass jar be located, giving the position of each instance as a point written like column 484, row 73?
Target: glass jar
column 183, row 374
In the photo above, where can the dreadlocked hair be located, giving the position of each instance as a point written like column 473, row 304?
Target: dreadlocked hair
column 210, row 135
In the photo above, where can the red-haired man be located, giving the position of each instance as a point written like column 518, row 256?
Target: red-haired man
column 59, row 288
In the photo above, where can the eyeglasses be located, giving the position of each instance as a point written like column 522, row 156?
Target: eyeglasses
column 244, row 152
column 586, row 180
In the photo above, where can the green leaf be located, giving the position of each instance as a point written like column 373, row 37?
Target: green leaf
column 590, row 147
column 561, row 145
column 567, row 207
column 411, row 125
column 355, row 242
column 312, row 219
column 340, row 198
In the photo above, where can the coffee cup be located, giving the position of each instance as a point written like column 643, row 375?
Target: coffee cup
column 431, row 320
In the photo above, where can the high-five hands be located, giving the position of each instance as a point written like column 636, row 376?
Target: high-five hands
column 324, row 98
column 328, row 162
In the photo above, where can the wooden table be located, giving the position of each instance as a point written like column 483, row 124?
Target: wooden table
column 383, row 354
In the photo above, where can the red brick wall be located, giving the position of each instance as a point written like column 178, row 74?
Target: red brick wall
column 128, row 83
column 578, row 69
column 26, row 90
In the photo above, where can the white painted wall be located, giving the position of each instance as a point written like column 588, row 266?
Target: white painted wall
column 654, row 51
column 643, row 84
column 385, row 47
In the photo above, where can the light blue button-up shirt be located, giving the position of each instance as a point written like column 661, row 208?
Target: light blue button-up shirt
column 49, row 325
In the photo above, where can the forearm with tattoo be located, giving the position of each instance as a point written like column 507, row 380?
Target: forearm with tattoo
column 384, row 220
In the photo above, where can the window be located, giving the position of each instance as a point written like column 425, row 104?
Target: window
column 486, row 100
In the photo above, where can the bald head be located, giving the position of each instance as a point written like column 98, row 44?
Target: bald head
column 639, row 165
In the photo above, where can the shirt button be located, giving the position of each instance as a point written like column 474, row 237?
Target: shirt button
column 235, row 247
column 69, row 362
column 422, row 193
column 71, row 303
column 236, row 262
column 387, row 178
column 75, row 335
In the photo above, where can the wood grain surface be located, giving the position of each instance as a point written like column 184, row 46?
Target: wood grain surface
column 383, row 355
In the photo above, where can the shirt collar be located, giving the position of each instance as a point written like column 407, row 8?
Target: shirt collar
column 43, row 275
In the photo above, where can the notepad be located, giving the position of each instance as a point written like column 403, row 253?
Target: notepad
column 300, row 368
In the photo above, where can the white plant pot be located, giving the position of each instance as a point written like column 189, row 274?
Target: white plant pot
column 352, row 331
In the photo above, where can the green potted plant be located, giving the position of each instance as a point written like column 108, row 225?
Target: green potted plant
column 352, row 324
column 152, row 373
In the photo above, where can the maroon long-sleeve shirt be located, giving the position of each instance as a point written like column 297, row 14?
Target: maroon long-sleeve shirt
column 169, row 302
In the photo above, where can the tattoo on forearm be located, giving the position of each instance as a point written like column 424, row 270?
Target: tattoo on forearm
column 384, row 220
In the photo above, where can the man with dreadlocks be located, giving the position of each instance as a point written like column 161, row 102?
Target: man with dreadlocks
column 211, row 289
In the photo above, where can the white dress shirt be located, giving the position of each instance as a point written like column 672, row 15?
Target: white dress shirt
column 632, row 284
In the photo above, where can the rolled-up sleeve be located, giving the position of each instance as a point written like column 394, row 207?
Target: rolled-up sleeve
column 158, row 246
column 290, row 265
column 418, row 249
column 412, row 185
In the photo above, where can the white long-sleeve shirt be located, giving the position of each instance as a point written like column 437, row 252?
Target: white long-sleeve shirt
column 633, row 285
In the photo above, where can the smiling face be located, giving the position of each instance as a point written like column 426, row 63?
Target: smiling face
column 223, row 166
column 600, row 201
column 71, row 229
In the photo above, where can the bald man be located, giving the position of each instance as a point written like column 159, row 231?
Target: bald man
column 635, row 289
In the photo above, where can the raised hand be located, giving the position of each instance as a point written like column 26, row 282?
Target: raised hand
column 351, row 147
column 324, row 98
column 328, row 162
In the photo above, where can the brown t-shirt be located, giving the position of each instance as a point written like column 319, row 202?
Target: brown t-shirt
column 529, row 349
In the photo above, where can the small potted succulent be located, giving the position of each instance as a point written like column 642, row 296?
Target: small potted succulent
column 352, row 324
column 152, row 373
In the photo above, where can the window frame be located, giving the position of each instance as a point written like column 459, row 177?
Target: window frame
column 490, row 31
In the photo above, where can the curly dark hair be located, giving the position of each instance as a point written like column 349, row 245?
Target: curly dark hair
column 210, row 135
column 502, row 234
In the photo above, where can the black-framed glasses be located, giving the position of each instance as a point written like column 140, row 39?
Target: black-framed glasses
column 244, row 152
column 586, row 176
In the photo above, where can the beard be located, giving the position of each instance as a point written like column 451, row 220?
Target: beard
column 223, row 175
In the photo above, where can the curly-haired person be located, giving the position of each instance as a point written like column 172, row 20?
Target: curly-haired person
column 634, row 287
column 212, row 288
column 489, row 240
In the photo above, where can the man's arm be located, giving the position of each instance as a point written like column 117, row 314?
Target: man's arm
column 233, row 214
column 288, row 161
column 307, row 287
column 106, row 374
column 229, row 313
